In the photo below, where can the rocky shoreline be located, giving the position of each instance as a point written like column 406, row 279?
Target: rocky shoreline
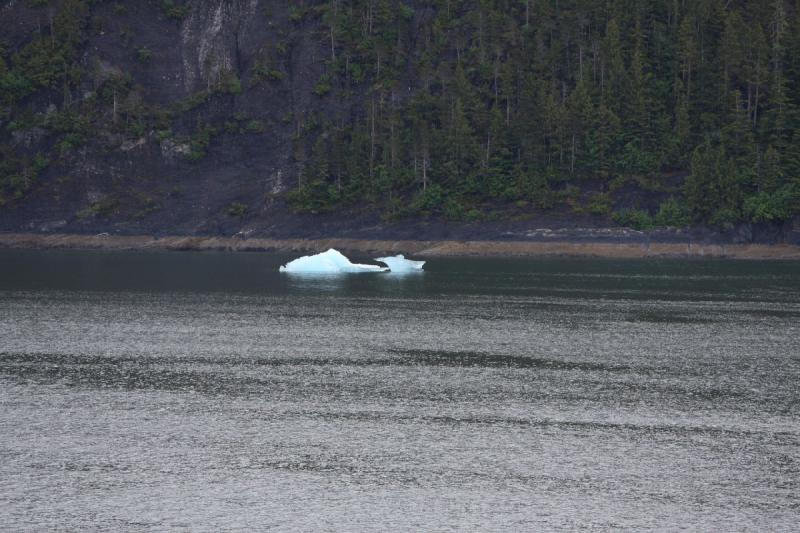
column 555, row 246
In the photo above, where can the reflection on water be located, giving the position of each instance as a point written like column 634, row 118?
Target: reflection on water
column 206, row 391
column 344, row 282
column 318, row 282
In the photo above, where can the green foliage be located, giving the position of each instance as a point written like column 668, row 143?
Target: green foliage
column 262, row 72
column 14, row 86
column 144, row 54
column 725, row 218
column 39, row 163
column 773, row 206
column 46, row 61
column 297, row 14
column 73, row 127
column 101, row 208
column 454, row 209
column 233, row 85
column 193, row 101
column 41, row 64
column 254, row 126
column 270, row 64
column 600, row 204
column 68, row 143
column 236, row 209
column 637, row 219
column 672, row 213
column 173, row 10
column 18, row 173
column 314, row 197
column 228, row 84
column 714, row 187
column 429, row 200
column 200, row 141
column 501, row 110
column 406, row 12
column 635, row 160
column 323, row 86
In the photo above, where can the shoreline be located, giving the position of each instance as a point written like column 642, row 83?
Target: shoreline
column 433, row 248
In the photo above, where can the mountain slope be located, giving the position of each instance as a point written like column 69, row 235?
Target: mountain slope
column 336, row 117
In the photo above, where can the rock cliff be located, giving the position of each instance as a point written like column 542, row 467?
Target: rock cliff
column 168, row 124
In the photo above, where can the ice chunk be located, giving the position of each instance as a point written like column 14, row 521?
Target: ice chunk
column 330, row 262
column 400, row 265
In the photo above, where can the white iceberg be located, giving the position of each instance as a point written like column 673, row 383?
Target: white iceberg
column 330, row 262
column 400, row 265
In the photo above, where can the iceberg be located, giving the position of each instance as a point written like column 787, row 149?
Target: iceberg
column 400, row 265
column 330, row 262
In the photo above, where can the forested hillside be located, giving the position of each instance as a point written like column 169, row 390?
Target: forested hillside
column 642, row 113
column 523, row 100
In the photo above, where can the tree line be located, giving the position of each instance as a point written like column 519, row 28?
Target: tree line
column 475, row 103
column 471, row 109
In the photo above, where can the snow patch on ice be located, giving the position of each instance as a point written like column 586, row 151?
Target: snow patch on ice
column 400, row 265
column 330, row 262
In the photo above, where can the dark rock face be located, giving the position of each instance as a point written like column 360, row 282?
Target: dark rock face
column 132, row 180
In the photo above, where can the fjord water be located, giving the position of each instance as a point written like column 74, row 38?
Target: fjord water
column 206, row 391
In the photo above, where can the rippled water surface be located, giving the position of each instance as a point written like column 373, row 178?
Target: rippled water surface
column 206, row 391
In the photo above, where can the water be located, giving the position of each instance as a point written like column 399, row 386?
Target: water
column 205, row 391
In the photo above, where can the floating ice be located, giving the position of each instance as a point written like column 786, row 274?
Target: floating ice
column 400, row 265
column 330, row 262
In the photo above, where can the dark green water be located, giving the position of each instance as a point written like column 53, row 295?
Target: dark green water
column 206, row 391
